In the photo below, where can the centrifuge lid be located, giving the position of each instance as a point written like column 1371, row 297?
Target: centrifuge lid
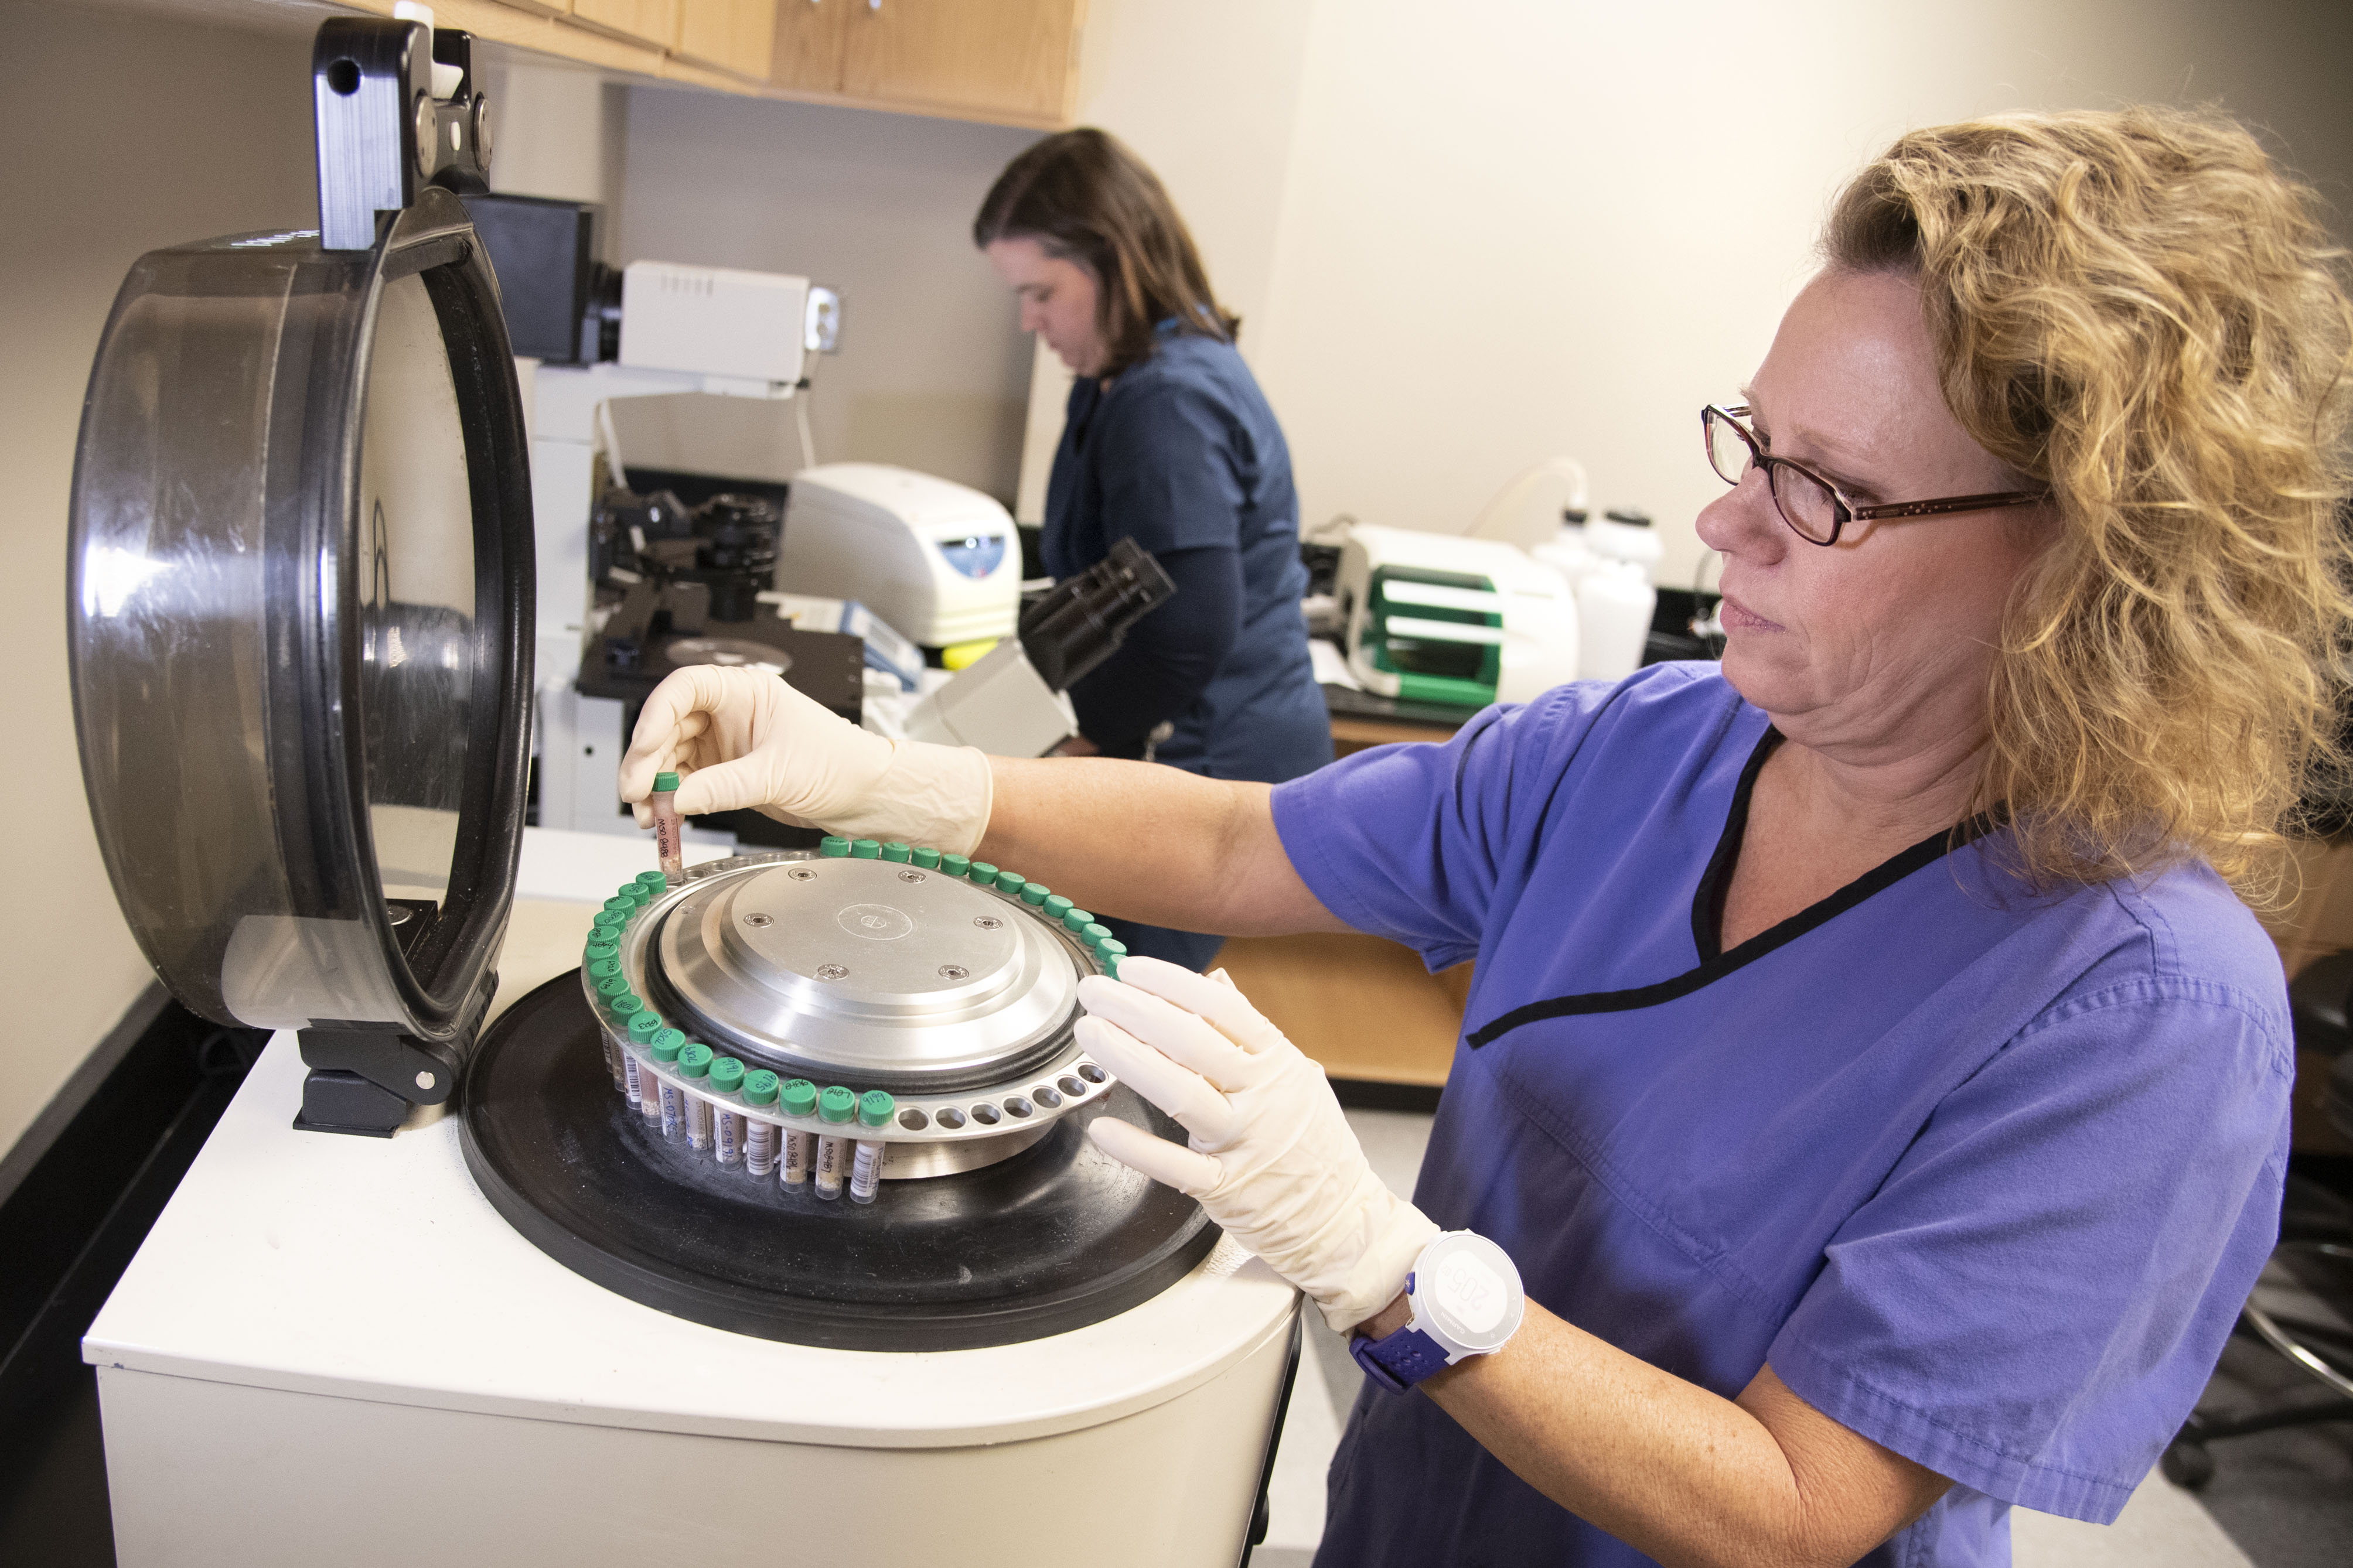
column 300, row 604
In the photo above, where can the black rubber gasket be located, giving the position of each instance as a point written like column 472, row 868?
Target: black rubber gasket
column 1055, row 1238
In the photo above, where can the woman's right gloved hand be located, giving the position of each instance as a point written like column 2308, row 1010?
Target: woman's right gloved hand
column 736, row 737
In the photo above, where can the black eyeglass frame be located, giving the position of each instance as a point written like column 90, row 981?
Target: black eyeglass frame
column 1842, row 511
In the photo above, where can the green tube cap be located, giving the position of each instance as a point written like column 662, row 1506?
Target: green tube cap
column 667, row 1045
column 1075, row 919
column 694, row 1060
column 1056, row 906
column 644, row 1025
column 983, row 873
column 929, row 859
column 1110, row 964
column 620, row 905
column 894, row 850
column 837, row 1104
column 610, row 920
column 653, row 882
column 956, row 864
column 1035, row 894
column 605, row 969
column 1109, row 950
column 612, row 988
column 1094, row 933
column 1011, row 882
column 834, row 847
column 865, row 848
column 664, row 782
column 726, row 1074
column 594, row 949
column 874, row 1108
column 799, row 1097
column 760, row 1087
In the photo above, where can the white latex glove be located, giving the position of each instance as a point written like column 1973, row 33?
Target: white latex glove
column 736, row 737
column 1271, row 1157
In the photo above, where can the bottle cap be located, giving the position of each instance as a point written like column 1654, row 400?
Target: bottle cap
column 667, row 1045
column 929, row 859
column 664, row 782
column 694, row 1060
column 799, row 1097
column 1010, row 882
column 834, row 847
column 956, row 864
column 894, row 850
column 1035, row 894
column 653, row 882
column 604, row 968
column 644, row 1025
column 874, row 1108
column 1628, row 516
column 759, row 1086
column 837, row 1104
column 1056, row 906
column 982, row 872
column 865, row 848
column 1094, row 933
column 1076, row 920
column 726, row 1074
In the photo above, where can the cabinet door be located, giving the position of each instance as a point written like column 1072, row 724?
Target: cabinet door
column 809, row 36
column 1011, row 57
column 734, row 35
column 650, row 21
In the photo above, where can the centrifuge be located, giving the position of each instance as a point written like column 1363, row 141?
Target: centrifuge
column 575, row 1212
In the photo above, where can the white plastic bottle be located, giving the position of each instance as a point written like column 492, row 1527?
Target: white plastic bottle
column 1625, row 534
column 1566, row 552
column 1614, row 606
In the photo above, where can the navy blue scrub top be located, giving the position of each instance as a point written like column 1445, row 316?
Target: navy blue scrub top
column 1183, row 455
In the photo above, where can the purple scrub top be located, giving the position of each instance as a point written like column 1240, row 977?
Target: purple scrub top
column 1984, row 1175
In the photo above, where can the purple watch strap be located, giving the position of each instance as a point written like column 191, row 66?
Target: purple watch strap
column 1399, row 1361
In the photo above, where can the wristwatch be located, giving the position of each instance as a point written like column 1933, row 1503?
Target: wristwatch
column 1466, row 1299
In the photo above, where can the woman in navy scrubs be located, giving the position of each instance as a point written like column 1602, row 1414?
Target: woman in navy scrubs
column 1871, row 1072
column 1168, row 441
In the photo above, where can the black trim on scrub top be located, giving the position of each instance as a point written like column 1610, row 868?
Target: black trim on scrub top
column 1708, row 915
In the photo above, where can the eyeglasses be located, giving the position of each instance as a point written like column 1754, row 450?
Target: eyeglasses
column 1815, row 509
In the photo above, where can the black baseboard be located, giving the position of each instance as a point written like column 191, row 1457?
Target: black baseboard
column 1372, row 1094
column 83, row 1187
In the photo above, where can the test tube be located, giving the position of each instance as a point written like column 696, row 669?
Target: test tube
column 956, row 864
column 874, row 1108
column 894, row 850
column 726, row 1126
column 928, row 859
column 798, row 1098
column 980, row 873
column 837, row 1104
column 865, row 848
column 669, row 1106
column 694, row 1066
column 834, row 847
column 1075, row 921
column 760, row 1137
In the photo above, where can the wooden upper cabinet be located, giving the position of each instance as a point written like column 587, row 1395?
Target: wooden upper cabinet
column 649, row 21
column 993, row 59
column 738, row 35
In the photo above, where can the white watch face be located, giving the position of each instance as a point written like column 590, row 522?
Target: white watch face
column 1466, row 1289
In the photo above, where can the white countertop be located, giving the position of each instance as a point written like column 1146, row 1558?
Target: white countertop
column 374, row 1269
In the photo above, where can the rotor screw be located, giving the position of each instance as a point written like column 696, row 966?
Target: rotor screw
column 831, row 972
column 758, row 921
column 953, row 972
column 989, row 922
column 911, row 876
column 801, row 874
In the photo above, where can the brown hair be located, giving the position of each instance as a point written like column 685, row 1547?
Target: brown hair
column 2137, row 310
column 1085, row 198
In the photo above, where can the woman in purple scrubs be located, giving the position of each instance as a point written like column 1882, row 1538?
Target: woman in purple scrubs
column 1872, row 1072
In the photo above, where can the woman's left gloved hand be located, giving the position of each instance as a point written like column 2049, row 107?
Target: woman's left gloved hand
column 1271, row 1158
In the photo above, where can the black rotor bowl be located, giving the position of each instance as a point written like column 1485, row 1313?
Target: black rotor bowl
column 1054, row 1238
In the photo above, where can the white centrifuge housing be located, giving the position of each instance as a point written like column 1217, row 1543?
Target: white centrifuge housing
column 436, row 1289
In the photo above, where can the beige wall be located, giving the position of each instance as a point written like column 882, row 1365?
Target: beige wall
column 123, row 133
column 1524, row 228
column 932, row 373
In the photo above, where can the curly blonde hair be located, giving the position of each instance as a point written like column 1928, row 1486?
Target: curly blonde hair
column 2137, row 310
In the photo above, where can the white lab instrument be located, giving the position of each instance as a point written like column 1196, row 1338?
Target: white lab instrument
column 939, row 560
column 1435, row 617
column 999, row 703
